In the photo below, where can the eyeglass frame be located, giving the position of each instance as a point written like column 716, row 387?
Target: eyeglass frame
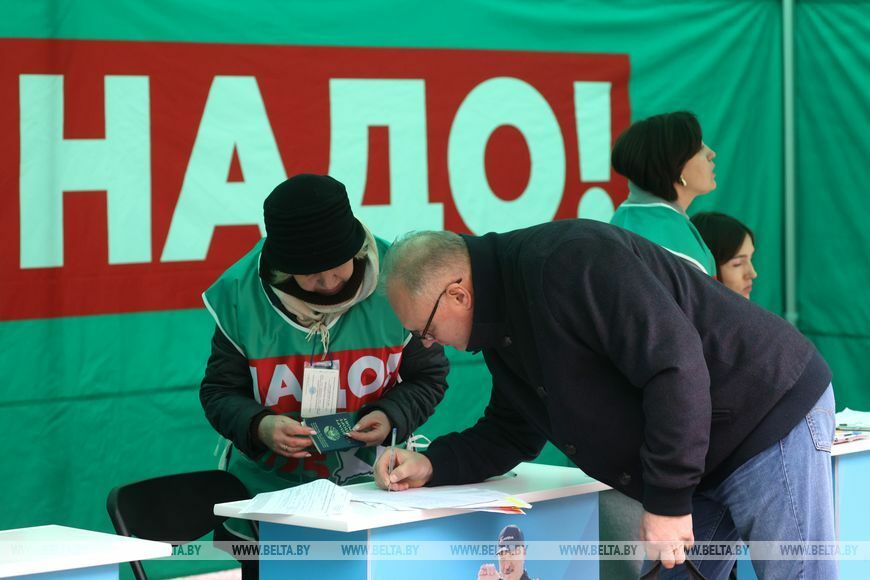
column 424, row 334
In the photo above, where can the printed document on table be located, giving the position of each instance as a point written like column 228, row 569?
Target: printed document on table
column 437, row 497
column 320, row 497
column 852, row 420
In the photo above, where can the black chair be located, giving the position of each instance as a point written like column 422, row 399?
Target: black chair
column 173, row 508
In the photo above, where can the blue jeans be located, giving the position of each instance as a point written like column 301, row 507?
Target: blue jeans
column 782, row 494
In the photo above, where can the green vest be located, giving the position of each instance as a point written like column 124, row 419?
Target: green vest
column 667, row 227
column 366, row 341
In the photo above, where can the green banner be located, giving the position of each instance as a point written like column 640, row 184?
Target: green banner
column 832, row 88
column 102, row 339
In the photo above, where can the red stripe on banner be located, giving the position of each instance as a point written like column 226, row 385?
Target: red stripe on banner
column 294, row 83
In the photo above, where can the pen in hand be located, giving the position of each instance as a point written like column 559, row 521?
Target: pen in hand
column 392, row 462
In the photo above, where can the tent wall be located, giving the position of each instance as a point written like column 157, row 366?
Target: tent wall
column 102, row 360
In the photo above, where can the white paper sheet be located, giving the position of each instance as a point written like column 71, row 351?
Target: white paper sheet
column 320, row 497
column 437, row 498
column 850, row 419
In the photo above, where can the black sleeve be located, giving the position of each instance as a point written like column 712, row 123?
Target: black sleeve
column 227, row 396
column 499, row 441
column 423, row 381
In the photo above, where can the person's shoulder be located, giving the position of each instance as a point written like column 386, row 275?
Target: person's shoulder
column 663, row 225
column 382, row 245
column 566, row 229
column 571, row 242
column 243, row 268
column 628, row 214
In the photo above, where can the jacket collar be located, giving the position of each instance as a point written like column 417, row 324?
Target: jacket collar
column 638, row 196
column 489, row 325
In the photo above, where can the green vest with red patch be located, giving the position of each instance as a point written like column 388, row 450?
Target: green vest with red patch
column 366, row 341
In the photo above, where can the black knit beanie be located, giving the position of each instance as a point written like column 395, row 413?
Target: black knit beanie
column 310, row 227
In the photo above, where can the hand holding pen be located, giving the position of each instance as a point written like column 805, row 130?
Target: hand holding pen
column 392, row 462
column 401, row 469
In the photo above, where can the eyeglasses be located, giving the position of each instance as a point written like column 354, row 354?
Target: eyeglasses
column 424, row 334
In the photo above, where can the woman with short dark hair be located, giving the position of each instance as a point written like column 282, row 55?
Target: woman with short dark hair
column 732, row 245
column 667, row 165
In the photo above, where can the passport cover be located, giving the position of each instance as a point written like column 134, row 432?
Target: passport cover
column 331, row 431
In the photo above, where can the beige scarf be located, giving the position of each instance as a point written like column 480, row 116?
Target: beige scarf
column 317, row 318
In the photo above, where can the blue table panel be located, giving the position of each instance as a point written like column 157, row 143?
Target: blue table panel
column 570, row 519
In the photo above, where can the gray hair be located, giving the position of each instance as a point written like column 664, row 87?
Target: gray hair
column 419, row 257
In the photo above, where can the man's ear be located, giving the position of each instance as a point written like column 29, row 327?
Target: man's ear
column 461, row 295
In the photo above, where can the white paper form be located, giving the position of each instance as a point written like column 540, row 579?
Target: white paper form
column 437, row 498
column 320, row 386
column 320, row 497
column 850, row 419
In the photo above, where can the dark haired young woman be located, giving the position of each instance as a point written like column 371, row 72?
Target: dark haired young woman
column 667, row 165
column 732, row 245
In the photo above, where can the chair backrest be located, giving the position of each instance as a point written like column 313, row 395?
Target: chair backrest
column 173, row 508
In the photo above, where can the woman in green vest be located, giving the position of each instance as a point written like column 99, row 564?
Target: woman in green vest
column 667, row 166
column 303, row 303
column 732, row 245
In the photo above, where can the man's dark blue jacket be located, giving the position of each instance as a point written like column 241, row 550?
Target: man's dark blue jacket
column 649, row 375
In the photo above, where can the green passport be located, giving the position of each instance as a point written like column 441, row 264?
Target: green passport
column 331, row 432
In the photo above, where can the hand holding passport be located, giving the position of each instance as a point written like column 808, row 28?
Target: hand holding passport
column 332, row 432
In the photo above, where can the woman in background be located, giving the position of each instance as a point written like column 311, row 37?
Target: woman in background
column 732, row 245
column 667, row 165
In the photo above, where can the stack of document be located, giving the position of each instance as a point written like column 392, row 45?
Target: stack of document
column 318, row 498
column 848, row 436
column 849, row 420
column 324, row 498
column 427, row 498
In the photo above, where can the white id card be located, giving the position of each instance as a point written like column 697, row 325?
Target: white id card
column 320, row 388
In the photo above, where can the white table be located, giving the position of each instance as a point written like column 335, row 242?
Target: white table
column 58, row 551
column 565, row 507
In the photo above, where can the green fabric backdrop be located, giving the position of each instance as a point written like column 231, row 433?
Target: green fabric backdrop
column 832, row 80
column 91, row 402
